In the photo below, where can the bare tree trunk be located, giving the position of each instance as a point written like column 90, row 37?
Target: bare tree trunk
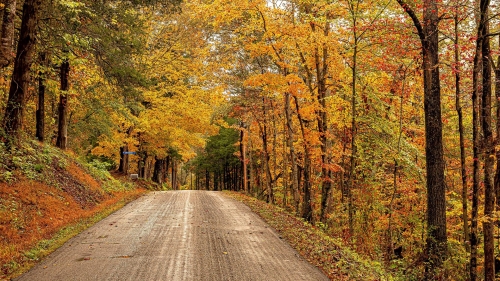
column 488, row 146
column 14, row 112
column 266, row 158
column 458, row 108
column 390, row 244
column 436, row 248
column 62, row 132
column 354, row 151
column 7, row 36
column 475, row 176
column 476, row 166
column 40, row 111
column 123, row 168
column 251, row 187
column 207, row 180
column 243, row 152
column 159, row 171
column 175, row 181
column 497, row 96
column 306, row 202
column 322, row 118
column 293, row 157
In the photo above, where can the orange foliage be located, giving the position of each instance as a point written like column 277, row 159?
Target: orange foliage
column 81, row 176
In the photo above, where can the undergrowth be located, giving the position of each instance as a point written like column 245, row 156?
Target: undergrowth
column 327, row 253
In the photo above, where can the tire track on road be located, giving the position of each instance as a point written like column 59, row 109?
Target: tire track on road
column 177, row 235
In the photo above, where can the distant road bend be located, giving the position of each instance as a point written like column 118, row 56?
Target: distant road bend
column 177, row 235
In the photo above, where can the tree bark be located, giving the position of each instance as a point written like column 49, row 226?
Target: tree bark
column 62, row 132
column 458, row 108
column 123, row 168
column 497, row 96
column 207, row 180
column 243, row 152
column 488, row 145
column 436, row 198
column 159, row 171
column 7, row 36
column 306, row 202
column 293, row 157
column 475, row 174
column 266, row 158
column 40, row 112
column 322, row 119
column 436, row 248
column 14, row 112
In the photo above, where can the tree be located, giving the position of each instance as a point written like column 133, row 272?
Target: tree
column 62, row 132
column 428, row 33
column 484, row 68
column 7, row 35
column 14, row 112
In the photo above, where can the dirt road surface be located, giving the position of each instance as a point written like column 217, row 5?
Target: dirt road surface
column 177, row 235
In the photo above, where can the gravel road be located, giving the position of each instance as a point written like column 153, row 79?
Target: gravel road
column 177, row 235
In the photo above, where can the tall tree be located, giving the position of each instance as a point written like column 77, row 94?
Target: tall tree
column 13, row 116
column 62, row 124
column 436, row 248
column 40, row 111
column 483, row 48
column 458, row 108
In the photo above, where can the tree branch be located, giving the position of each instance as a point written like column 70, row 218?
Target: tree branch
column 414, row 18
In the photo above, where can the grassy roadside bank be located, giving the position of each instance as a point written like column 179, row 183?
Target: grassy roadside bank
column 48, row 196
column 334, row 258
column 29, row 253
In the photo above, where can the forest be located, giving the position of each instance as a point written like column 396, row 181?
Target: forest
column 376, row 121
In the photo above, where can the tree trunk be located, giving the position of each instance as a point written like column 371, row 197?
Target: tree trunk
column 354, row 150
column 174, row 175
column 475, row 175
column 458, row 108
column 322, row 118
column 488, row 146
column 497, row 96
column 159, row 171
column 251, row 187
column 207, row 180
column 123, row 168
column 266, row 159
column 306, row 202
column 352, row 167
column 390, row 242
column 293, row 157
column 7, row 36
column 143, row 157
column 436, row 248
column 40, row 112
column 243, row 152
column 62, row 132
column 13, row 115
column 436, row 189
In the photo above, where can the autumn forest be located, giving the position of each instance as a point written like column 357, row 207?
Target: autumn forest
column 377, row 121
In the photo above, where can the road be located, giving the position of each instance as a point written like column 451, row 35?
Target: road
column 177, row 235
